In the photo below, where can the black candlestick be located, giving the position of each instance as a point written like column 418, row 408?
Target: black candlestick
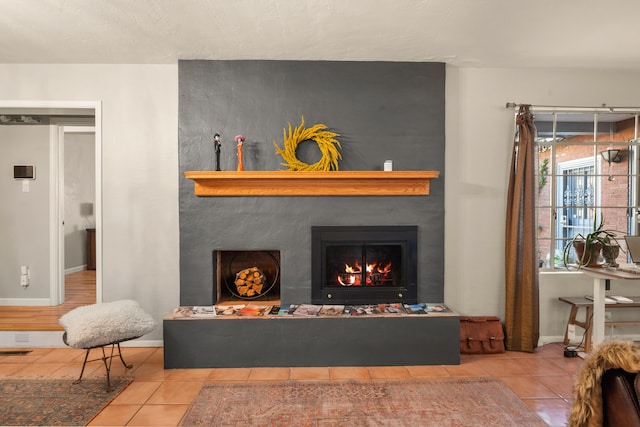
column 217, row 144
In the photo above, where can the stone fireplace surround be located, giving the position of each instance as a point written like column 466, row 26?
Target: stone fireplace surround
column 382, row 111
column 399, row 115
column 319, row 341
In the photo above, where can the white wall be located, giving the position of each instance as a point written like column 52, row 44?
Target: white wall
column 24, row 219
column 140, row 169
column 479, row 135
column 140, row 178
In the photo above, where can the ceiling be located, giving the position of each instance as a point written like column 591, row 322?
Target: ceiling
column 464, row 33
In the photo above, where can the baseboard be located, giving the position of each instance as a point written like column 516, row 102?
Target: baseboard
column 25, row 302
column 77, row 269
column 549, row 339
column 26, row 339
column 560, row 338
column 143, row 343
column 53, row 339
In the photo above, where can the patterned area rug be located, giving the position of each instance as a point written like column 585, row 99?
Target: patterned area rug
column 434, row 402
column 33, row 402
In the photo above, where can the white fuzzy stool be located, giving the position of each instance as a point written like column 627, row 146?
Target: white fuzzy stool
column 100, row 325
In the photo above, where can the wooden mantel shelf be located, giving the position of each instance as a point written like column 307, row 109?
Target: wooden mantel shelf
column 333, row 183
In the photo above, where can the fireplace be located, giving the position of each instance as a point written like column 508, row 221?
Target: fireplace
column 363, row 264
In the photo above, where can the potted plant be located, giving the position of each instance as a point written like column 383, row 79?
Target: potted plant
column 610, row 254
column 588, row 247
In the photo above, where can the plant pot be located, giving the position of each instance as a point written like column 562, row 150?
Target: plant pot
column 588, row 260
column 610, row 254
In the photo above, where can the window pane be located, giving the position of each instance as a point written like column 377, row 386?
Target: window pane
column 615, row 127
column 544, row 217
column 615, row 163
column 575, row 200
column 542, row 178
column 587, row 169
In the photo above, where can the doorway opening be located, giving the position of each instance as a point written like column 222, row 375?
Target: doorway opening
column 65, row 120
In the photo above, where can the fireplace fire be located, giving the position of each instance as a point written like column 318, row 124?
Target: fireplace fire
column 374, row 275
column 364, row 264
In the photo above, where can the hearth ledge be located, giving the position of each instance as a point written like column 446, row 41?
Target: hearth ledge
column 295, row 183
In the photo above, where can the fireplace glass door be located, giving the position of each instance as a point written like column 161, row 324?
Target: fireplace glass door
column 364, row 264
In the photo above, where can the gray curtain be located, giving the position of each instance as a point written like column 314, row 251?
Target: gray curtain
column 521, row 261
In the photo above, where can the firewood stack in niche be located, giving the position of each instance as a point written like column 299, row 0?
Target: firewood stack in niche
column 249, row 282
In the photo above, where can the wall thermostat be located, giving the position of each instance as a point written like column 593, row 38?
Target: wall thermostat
column 24, row 172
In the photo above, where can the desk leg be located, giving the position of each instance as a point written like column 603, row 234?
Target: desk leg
column 597, row 324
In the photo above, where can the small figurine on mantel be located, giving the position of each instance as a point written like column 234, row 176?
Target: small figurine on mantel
column 217, row 144
column 239, row 142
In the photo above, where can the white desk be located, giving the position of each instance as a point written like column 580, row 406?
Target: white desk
column 601, row 279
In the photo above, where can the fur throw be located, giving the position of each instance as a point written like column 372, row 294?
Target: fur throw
column 106, row 323
column 586, row 409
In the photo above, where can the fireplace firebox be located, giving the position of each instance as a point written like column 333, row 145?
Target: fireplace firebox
column 364, row 264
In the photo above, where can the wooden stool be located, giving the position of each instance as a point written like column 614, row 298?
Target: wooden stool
column 586, row 325
column 579, row 302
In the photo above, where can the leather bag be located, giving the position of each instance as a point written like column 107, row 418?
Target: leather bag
column 481, row 335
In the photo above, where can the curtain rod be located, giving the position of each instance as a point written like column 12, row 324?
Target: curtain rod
column 601, row 109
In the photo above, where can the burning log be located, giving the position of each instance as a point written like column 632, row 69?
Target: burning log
column 377, row 274
column 249, row 282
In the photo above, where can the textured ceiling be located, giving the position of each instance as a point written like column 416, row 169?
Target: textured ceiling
column 489, row 33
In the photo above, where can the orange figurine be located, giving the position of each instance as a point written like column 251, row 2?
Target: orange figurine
column 239, row 142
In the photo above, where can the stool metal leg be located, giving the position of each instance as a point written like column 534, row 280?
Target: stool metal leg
column 121, row 359
column 107, row 365
column 86, row 355
column 106, row 360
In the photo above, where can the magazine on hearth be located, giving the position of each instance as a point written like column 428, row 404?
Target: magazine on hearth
column 438, row 308
column 420, row 308
column 274, row 310
column 307, row 310
column 195, row 311
column 254, row 310
column 393, row 308
column 331, row 310
column 426, row 308
column 287, row 310
column 361, row 310
column 228, row 310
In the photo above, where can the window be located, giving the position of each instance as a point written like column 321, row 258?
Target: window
column 587, row 171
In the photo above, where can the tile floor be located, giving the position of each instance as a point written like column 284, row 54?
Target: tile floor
column 159, row 397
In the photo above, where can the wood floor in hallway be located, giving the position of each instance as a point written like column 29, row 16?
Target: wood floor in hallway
column 80, row 289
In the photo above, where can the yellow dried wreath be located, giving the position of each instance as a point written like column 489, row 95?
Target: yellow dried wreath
column 328, row 145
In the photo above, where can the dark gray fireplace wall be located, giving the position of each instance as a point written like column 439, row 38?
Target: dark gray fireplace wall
column 382, row 110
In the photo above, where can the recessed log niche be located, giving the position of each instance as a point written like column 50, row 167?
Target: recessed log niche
column 247, row 276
